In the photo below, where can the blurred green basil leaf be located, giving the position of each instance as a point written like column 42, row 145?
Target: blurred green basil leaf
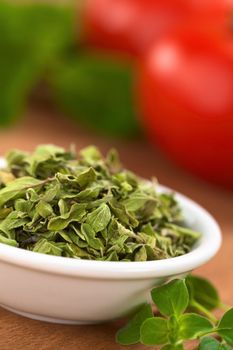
column 31, row 37
column 98, row 91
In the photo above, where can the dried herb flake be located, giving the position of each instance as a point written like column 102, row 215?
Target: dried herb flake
column 87, row 207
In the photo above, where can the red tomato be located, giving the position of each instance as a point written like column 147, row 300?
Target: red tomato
column 186, row 94
column 132, row 25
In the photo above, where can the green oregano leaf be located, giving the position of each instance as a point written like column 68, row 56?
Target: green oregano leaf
column 12, row 221
column 171, row 298
column 44, row 209
column 8, row 241
column 86, row 177
column 203, row 292
column 130, row 334
column 91, row 154
column 46, row 247
column 90, row 237
column 209, row 343
column 42, row 154
column 4, row 212
column 154, row 331
column 138, row 200
column 76, row 213
column 225, row 327
column 17, row 188
column 99, row 218
column 192, row 325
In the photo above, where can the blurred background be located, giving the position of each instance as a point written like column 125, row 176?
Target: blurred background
column 153, row 78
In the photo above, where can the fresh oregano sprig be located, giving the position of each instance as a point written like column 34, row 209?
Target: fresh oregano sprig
column 176, row 324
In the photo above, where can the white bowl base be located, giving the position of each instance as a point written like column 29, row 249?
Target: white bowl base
column 47, row 319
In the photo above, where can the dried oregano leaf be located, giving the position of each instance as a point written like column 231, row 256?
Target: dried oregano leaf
column 76, row 213
column 16, row 188
column 99, row 218
column 87, row 207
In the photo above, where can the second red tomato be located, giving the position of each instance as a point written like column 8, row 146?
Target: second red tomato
column 130, row 26
column 186, row 93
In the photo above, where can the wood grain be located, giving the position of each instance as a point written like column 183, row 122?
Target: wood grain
column 46, row 126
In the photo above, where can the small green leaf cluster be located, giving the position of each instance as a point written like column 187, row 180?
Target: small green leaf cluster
column 174, row 326
column 88, row 207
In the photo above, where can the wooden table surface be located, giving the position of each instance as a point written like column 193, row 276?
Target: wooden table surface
column 41, row 126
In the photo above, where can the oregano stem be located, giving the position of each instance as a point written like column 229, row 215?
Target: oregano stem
column 204, row 311
column 43, row 182
column 224, row 307
column 214, row 330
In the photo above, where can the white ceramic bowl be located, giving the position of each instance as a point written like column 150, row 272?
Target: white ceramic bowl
column 64, row 290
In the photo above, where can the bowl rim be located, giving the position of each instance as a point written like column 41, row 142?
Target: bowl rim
column 201, row 253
